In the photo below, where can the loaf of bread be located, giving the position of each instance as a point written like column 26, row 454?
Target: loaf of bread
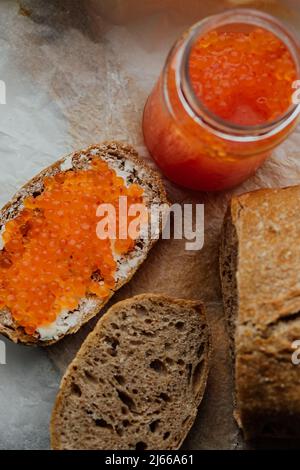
column 138, row 379
column 126, row 164
column 259, row 267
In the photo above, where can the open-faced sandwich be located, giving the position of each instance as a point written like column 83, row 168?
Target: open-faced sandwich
column 55, row 271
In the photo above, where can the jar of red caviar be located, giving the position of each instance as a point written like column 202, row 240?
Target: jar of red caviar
column 224, row 100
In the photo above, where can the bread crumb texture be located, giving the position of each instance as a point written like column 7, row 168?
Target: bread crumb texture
column 138, row 379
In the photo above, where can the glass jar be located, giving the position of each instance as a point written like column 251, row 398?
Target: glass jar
column 194, row 147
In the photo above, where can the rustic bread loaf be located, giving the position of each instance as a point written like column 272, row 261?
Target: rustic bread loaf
column 138, row 379
column 259, row 267
column 126, row 163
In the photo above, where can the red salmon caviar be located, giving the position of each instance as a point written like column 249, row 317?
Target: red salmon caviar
column 243, row 77
column 51, row 249
column 223, row 101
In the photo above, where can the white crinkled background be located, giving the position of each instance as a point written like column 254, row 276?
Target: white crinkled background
column 78, row 72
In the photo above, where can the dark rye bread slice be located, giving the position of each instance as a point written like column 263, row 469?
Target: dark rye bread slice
column 126, row 162
column 259, row 267
column 138, row 379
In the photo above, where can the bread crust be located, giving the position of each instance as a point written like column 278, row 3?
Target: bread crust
column 93, row 338
column 267, row 226
column 111, row 149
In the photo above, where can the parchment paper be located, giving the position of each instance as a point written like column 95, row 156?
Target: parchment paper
column 78, row 72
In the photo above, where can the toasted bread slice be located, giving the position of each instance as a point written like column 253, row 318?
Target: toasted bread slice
column 126, row 163
column 259, row 266
column 138, row 379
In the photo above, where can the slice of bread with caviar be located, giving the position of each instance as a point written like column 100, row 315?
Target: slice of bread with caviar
column 55, row 273
column 259, row 267
column 138, row 378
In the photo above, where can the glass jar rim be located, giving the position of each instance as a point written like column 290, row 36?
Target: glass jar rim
column 197, row 110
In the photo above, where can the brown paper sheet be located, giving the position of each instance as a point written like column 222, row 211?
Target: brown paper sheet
column 96, row 61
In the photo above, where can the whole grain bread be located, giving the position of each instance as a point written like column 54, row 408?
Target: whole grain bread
column 126, row 162
column 259, row 267
column 138, row 379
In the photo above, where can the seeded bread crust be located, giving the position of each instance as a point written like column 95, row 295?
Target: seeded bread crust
column 259, row 267
column 138, row 378
column 116, row 154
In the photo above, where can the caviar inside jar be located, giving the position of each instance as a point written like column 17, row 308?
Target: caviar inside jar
column 223, row 101
column 52, row 253
column 243, row 77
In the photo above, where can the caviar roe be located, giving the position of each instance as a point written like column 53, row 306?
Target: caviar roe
column 51, row 250
column 241, row 74
column 243, row 77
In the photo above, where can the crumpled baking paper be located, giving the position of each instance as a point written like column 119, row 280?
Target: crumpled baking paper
column 78, row 72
